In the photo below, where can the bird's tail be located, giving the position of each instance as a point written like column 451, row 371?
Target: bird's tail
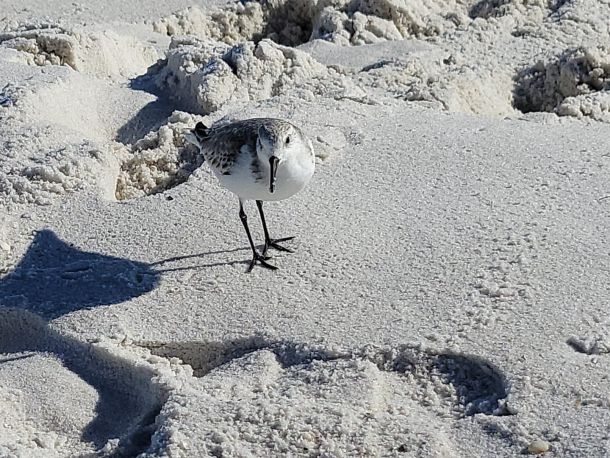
column 197, row 135
column 201, row 131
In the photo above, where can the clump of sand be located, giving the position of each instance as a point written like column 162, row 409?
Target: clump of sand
column 295, row 22
column 102, row 53
column 46, row 176
column 237, row 22
column 574, row 83
column 596, row 344
column 202, row 76
column 160, row 160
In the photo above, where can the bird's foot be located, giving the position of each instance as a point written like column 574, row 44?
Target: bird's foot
column 274, row 243
column 262, row 260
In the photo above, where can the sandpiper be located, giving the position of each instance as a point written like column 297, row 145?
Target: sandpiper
column 261, row 159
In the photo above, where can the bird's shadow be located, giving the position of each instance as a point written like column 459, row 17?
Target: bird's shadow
column 198, row 266
column 55, row 278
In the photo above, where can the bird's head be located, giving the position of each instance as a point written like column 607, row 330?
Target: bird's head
column 275, row 144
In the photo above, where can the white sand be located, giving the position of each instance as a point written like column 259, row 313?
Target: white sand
column 448, row 296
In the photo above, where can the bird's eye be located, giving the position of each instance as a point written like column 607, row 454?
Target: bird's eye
column 287, row 140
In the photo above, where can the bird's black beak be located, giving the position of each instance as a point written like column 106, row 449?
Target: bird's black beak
column 273, row 162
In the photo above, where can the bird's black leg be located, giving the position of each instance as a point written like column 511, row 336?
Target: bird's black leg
column 271, row 243
column 256, row 256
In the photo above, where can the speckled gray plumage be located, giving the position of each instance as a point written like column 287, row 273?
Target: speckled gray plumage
column 222, row 145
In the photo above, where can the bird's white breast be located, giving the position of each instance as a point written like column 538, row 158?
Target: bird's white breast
column 293, row 174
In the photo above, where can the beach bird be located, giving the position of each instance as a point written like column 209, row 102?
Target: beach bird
column 260, row 159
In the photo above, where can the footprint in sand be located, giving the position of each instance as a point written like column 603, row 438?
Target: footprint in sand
column 272, row 399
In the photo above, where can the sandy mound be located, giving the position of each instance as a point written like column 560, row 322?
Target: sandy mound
column 34, row 417
column 76, row 114
column 100, row 399
column 69, row 169
column 103, row 53
column 203, row 76
column 294, row 22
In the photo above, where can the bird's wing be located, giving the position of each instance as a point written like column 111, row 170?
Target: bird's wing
column 225, row 144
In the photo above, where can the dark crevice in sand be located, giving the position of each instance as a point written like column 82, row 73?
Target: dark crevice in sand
column 545, row 86
column 481, row 387
column 139, row 440
column 486, row 9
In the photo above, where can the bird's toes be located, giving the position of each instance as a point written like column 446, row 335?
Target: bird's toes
column 267, row 266
column 281, row 248
column 262, row 260
column 285, row 239
column 274, row 243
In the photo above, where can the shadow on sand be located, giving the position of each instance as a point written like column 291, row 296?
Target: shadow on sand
column 128, row 401
column 55, row 278
column 152, row 115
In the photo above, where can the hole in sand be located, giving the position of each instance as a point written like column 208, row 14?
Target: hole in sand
column 573, row 83
column 309, row 397
column 469, row 384
column 486, row 9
